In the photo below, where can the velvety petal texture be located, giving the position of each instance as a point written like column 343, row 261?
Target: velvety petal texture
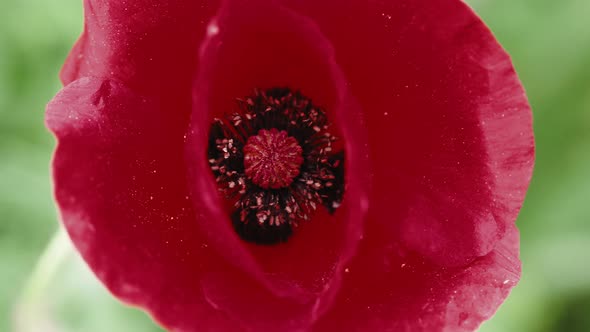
column 433, row 121
column 448, row 121
column 308, row 268
column 124, row 200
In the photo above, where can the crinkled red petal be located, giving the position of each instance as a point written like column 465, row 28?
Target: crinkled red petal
column 120, row 183
column 449, row 126
column 387, row 289
column 451, row 146
column 149, row 45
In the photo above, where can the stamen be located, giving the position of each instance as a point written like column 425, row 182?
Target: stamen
column 273, row 159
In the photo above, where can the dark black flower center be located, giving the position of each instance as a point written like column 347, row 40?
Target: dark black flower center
column 273, row 159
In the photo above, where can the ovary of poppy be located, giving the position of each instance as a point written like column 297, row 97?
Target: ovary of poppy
column 434, row 126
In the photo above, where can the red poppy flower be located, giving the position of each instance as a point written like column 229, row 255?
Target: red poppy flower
column 294, row 165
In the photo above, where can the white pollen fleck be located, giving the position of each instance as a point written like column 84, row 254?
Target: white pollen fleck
column 212, row 29
column 346, row 270
column 385, row 113
column 364, row 202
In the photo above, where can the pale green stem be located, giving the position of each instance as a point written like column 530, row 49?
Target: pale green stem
column 31, row 312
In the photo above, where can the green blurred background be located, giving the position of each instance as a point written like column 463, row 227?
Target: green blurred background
column 550, row 44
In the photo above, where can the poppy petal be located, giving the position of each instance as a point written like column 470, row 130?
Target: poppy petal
column 121, row 187
column 391, row 290
column 449, row 125
column 148, row 45
column 237, row 58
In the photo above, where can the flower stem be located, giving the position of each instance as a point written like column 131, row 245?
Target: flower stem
column 32, row 312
